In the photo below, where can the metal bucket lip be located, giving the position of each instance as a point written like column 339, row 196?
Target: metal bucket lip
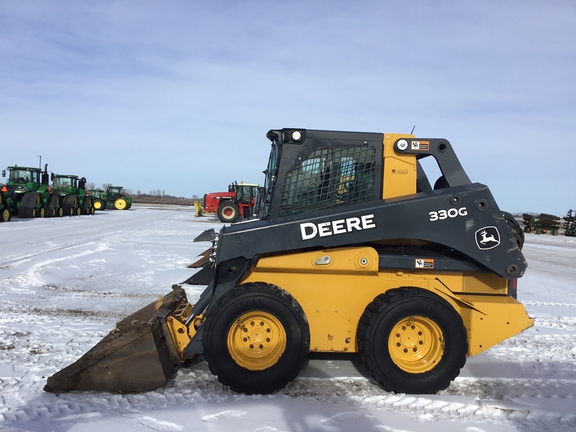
column 107, row 366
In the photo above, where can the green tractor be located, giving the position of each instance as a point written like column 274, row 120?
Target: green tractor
column 98, row 199
column 112, row 198
column 72, row 193
column 28, row 193
column 5, row 204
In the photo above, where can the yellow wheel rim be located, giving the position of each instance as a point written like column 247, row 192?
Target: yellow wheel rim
column 416, row 344
column 5, row 215
column 256, row 340
column 120, row 204
column 97, row 205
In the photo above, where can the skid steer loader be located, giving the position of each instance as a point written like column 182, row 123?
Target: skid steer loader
column 353, row 250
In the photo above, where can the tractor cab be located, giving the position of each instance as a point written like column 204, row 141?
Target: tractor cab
column 22, row 175
column 245, row 193
column 64, row 181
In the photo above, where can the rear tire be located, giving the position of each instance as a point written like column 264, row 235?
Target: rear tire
column 120, row 204
column 256, row 338
column 28, row 205
column 68, row 204
column 515, row 229
column 228, row 212
column 412, row 341
column 87, row 207
column 53, row 204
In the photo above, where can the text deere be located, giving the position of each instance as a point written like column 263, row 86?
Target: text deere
column 309, row 230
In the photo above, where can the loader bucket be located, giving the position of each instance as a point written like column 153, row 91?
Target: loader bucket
column 138, row 355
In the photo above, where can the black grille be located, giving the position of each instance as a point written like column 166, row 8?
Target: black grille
column 330, row 177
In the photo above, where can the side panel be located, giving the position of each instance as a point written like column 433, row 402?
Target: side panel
column 464, row 218
column 399, row 174
column 335, row 286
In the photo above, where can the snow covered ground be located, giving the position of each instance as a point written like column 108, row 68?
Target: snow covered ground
column 65, row 282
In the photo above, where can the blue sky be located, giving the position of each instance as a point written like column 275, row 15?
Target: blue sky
column 178, row 95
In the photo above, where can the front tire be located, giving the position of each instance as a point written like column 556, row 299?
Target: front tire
column 256, row 338
column 6, row 215
column 412, row 341
column 99, row 204
column 228, row 212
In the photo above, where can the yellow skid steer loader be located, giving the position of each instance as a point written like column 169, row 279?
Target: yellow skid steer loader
column 353, row 250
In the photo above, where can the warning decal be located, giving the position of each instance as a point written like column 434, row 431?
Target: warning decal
column 420, row 145
column 423, row 263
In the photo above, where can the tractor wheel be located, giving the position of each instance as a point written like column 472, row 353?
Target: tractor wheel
column 120, row 204
column 412, row 341
column 28, row 205
column 6, row 215
column 515, row 229
column 256, row 338
column 68, row 205
column 228, row 211
column 87, row 207
column 99, row 204
column 53, row 204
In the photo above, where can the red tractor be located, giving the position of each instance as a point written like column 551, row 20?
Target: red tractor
column 229, row 206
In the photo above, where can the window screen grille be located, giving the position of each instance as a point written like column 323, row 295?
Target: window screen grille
column 330, row 177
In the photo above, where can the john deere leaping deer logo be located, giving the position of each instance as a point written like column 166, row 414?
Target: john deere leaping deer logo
column 487, row 238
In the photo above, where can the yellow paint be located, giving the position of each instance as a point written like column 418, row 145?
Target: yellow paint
column 416, row 344
column 256, row 340
column 399, row 173
column 181, row 333
column 334, row 295
column 198, row 208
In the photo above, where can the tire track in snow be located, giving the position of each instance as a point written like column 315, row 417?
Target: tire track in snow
column 29, row 276
column 554, row 304
column 490, row 400
column 24, row 258
column 159, row 425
